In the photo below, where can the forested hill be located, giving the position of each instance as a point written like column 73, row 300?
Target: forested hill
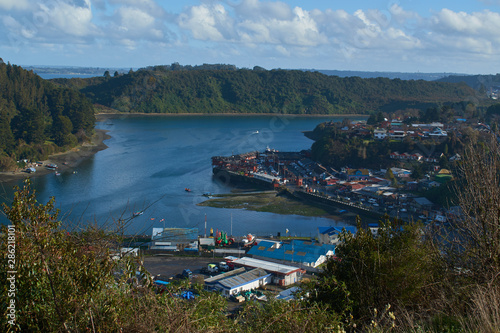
column 38, row 117
column 481, row 83
column 163, row 90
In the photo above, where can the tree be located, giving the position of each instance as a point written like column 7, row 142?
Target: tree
column 63, row 279
column 107, row 75
column 417, row 172
column 372, row 120
column 61, row 131
column 380, row 117
column 390, row 176
column 29, row 125
column 478, row 228
column 397, row 266
column 443, row 162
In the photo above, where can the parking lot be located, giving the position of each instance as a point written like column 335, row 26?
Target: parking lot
column 169, row 265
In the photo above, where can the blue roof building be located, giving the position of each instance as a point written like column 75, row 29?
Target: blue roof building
column 330, row 235
column 304, row 252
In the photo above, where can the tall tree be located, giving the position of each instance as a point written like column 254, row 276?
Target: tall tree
column 478, row 228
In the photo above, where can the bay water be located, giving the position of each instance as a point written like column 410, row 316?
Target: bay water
column 152, row 159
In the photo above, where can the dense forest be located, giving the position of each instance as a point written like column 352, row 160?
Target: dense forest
column 481, row 83
column 225, row 89
column 37, row 117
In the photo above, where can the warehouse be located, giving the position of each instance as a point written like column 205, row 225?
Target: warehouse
column 231, row 283
column 303, row 253
column 282, row 275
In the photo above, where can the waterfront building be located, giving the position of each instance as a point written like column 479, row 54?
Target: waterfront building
column 282, row 275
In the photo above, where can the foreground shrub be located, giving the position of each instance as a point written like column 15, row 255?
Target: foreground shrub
column 399, row 267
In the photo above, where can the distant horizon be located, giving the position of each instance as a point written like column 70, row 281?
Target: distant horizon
column 269, row 69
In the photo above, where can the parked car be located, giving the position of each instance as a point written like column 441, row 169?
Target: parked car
column 223, row 266
column 187, row 273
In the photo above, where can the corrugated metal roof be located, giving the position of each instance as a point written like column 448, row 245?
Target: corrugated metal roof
column 299, row 251
column 216, row 278
column 266, row 265
column 175, row 235
column 242, row 279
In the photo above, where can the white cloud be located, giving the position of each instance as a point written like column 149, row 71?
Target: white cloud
column 207, row 22
column 70, row 19
column 255, row 29
column 255, row 10
column 134, row 19
column 147, row 6
column 477, row 23
column 14, row 4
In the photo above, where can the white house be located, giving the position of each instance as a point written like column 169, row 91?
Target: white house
column 380, row 133
column 438, row 132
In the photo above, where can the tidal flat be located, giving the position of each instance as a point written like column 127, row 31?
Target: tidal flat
column 268, row 201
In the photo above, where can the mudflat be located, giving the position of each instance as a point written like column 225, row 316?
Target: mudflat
column 64, row 160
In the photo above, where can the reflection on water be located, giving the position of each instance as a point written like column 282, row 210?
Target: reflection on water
column 151, row 160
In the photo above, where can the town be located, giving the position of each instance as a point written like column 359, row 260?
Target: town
column 396, row 190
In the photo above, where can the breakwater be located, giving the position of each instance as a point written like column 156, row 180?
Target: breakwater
column 329, row 201
column 238, row 178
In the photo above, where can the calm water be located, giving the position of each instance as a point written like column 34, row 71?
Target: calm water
column 151, row 160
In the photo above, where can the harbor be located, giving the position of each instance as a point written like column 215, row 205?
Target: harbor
column 351, row 191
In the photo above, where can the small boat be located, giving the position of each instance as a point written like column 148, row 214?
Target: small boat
column 187, row 189
column 51, row 166
column 58, row 173
column 207, row 194
column 139, row 213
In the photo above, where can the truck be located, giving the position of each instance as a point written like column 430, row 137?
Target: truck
column 210, row 269
column 224, row 267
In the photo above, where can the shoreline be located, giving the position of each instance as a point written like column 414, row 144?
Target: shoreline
column 64, row 160
column 103, row 116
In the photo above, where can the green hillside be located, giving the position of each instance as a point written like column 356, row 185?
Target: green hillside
column 37, row 117
column 481, row 83
column 164, row 89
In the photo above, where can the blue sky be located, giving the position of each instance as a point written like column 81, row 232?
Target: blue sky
column 394, row 35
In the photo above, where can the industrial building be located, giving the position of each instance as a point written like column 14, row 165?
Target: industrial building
column 239, row 280
column 282, row 275
column 303, row 253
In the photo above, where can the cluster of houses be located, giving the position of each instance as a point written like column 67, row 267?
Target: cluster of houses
column 417, row 157
column 395, row 130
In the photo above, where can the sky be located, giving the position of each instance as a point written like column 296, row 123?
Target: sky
column 365, row 35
